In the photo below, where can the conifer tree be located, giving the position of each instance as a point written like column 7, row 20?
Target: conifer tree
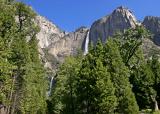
column 34, row 86
column 106, row 99
column 120, row 78
column 155, row 67
column 142, row 80
column 95, row 91
column 64, row 96
column 21, row 71
column 7, row 30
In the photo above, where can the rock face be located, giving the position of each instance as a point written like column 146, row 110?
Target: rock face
column 68, row 44
column 49, row 32
column 153, row 25
column 149, row 47
column 121, row 19
column 55, row 44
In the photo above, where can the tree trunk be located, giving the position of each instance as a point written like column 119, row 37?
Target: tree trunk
column 14, row 104
column 2, row 110
column 11, row 95
column 156, row 105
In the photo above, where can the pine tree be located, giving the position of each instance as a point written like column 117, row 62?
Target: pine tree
column 120, row 78
column 130, row 43
column 7, row 30
column 155, row 66
column 142, row 80
column 106, row 99
column 34, row 86
column 95, row 91
column 64, row 97
column 21, row 70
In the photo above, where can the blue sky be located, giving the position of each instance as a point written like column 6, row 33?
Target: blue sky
column 71, row 14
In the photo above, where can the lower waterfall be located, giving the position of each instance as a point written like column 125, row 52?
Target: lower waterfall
column 50, row 86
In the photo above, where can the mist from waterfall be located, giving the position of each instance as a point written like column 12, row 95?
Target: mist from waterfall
column 86, row 44
column 50, row 87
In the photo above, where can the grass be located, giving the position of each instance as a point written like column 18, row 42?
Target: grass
column 149, row 111
column 157, row 112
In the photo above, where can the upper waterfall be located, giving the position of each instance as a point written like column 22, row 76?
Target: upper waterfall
column 86, row 44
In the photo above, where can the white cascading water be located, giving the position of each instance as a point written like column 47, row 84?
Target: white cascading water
column 50, row 87
column 46, row 42
column 86, row 44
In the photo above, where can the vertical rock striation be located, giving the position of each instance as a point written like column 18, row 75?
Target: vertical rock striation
column 55, row 44
column 49, row 32
column 153, row 25
column 120, row 19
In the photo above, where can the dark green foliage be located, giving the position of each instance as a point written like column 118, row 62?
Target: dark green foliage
column 64, row 98
column 99, row 95
column 120, row 78
column 22, row 77
column 6, row 35
column 142, row 80
column 111, row 78
column 95, row 89
column 141, row 75
column 155, row 66
column 145, row 80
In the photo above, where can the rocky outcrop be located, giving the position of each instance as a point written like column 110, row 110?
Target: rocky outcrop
column 49, row 32
column 55, row 44
column 121, row 19
column 153, row 25
column 68, row 44
column 150, row 48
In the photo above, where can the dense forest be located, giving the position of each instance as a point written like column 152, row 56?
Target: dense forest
column 22, row 76
column 115, row 77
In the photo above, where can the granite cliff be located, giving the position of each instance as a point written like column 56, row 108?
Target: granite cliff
column 119, row 20
column 56, row 44
column 153, row 25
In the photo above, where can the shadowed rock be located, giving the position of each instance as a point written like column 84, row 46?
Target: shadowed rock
column 153, row 25
column 120, row 19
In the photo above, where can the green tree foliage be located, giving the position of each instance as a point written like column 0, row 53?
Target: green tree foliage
column 106, row 99
column 145, row 80
column 34, row 86
column 7, row 29
column 111, row 78
column 22, row 76
column 141, row 75
column 64, row 97
column 130, row 44
column 95, row 91
column 142, row 80
column 155, row 66
column 120, row 78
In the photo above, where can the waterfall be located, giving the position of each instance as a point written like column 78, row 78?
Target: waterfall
column 86, row 44
column 50, row 87
column 46, row 42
